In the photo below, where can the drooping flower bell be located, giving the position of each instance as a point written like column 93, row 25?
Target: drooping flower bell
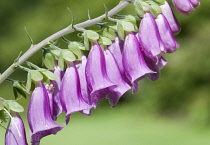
column 83, row 83
column 39, row 115
column 70, row 93
column 15, row 134
column 116, row 48
column 168, row 13
column 53, row 90
column 96, row 75
column 113, row 72
column 166, row 34
column 149, row 37
column 156, row 67
column 185, row 6
column 133, row 61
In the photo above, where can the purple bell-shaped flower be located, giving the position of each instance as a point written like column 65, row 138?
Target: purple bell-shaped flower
column 166, row 34
column 195, row 3
column 15, row 134
column 168, row 13
column 156, row 67
column 70, row 92
column 149, row 37
column 113, row 72
column 183, row 6
column 81, row 65
column 39, row 115
column 96, row 75
column 53, row 90
column 133, row 61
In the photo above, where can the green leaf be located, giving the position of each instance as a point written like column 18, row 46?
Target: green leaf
column 28, row 83
column 92, row 35
column 49, row 61
column 14, row 106
column 68, row 56
column 36, row 75
column 18, row 87
column 120, row 31
column 109, row 33
column 49, row 75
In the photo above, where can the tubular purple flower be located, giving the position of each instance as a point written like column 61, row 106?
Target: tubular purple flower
column 83, row 83
column 53, row 90
column 195, row 3
column 70, row 93
column 133, row 61
column 116, row 48
column 183, row 6
column 168, row 13
column 155, row 67
column 96, row 75
column 149, row 37
column 113, row 72
column 15, row 134
column 39, row 115
column 166, row 35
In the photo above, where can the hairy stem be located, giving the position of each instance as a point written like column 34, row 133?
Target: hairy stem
column 34, row 48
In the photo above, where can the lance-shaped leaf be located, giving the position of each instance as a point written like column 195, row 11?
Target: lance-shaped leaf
column 133, row 61
column 70, row 93
column 15, row 134
column 166, row 34
column 39, row 115
column 168, row 13
column 96, row 74
column 114, row 74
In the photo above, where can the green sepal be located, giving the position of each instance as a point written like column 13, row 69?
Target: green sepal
column 49, row 60
column 155, row 9
column 127, row 26
column 120, row 31
column 28, row 83
column 61, row 62
column 91, row 35
column 133, row 20
column 55, row 53
column 109, row 33
column 14, row 106
column 49, row 74
column 86, row 41
column 139, row 8
column 105, row 41
column 68, row 55
column 161, row 2
column 76, row 48
column 19, row 88
column 36, row 76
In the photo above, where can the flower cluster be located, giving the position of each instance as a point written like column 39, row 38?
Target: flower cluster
column 121, row 56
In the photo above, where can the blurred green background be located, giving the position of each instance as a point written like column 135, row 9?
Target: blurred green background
column 175, row 110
